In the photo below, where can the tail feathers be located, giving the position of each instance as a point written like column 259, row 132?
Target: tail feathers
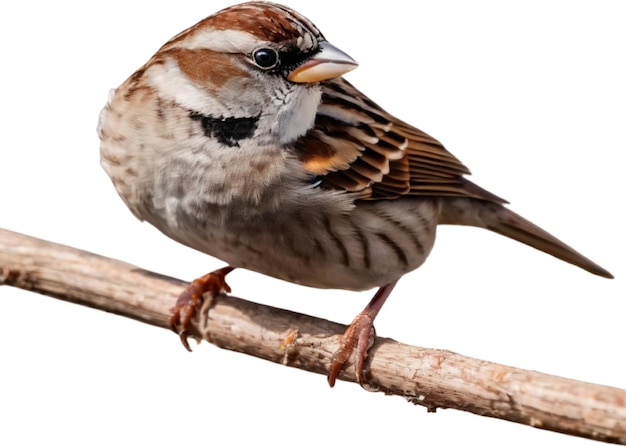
column 497, row 218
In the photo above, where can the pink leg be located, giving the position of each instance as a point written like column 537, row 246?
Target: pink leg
column 191, row 299
column 359, row 337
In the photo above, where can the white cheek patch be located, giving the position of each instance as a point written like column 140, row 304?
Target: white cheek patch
column 173, row 84
column 298, row 114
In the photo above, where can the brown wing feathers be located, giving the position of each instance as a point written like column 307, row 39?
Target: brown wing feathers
column 358, row 147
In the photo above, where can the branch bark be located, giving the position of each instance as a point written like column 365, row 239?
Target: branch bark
column 427, row 377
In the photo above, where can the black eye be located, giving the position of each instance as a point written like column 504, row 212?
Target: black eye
column 265, row 58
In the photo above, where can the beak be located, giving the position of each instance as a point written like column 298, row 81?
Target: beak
column 328, row 63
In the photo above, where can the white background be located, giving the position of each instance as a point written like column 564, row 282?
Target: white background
column 532, row 97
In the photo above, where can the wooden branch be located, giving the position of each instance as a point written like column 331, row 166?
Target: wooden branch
column 431, row 378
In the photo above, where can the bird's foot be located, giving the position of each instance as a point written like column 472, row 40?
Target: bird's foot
column 191, row 299
column 358, row 339
column 355, row 342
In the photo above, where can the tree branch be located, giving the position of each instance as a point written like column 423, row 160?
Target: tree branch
column 428, row 377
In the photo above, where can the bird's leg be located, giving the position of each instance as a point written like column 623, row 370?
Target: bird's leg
column 191, row 299
column 359, row 338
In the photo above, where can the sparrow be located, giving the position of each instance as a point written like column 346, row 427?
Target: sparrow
column 240, row 138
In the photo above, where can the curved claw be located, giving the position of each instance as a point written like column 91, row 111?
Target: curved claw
column 357, row 340
column 191, row 299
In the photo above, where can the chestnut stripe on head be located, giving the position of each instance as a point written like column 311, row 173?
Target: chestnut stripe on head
column 242, row 27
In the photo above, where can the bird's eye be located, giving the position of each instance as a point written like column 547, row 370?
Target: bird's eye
column 265, row 58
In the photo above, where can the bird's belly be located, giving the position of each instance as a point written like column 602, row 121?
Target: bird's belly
column 374, row 244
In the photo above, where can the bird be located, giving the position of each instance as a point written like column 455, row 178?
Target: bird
column 241, row 138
